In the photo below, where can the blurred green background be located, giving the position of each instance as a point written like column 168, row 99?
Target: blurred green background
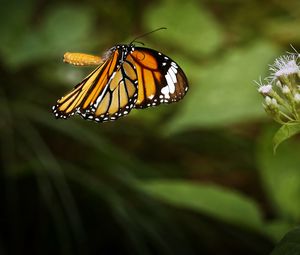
column 196, row 177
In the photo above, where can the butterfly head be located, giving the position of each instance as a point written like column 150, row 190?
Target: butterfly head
column 123, row 48
column 107, row 54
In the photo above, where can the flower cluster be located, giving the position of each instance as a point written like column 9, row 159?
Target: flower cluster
column 281, row 90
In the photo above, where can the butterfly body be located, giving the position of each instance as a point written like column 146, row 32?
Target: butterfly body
column 130, row 77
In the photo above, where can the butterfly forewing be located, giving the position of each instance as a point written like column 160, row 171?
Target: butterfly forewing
column 160, row 79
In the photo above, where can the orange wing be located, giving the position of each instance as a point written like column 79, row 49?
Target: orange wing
column 160, row 79
column 106, row 94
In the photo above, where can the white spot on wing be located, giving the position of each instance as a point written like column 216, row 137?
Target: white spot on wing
column 173, row 76
column 173, row 69
column 170, row 83
column 165, row 91
column 169, row 79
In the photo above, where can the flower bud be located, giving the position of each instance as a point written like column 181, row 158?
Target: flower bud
column 297, row 98
column 285, row 89
column 278, row 84
column 268, row 100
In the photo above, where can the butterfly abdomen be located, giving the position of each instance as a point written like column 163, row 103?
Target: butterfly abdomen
column 81, row 59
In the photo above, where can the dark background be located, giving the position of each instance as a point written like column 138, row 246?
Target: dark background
column 196, row 177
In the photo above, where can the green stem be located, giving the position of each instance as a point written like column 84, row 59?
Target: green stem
column 286, row 116
column 281, row 101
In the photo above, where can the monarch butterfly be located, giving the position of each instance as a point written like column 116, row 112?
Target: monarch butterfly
column 127, row 77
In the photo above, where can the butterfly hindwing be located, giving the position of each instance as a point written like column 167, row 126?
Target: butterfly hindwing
column 119, row 96
column 84, row 93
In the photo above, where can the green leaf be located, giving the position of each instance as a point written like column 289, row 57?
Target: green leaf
column 275, row 229
column 286, row 131
column 223, row 93
column 280, row 175
column 290, row 244
column 199, row 33
column 223, row 204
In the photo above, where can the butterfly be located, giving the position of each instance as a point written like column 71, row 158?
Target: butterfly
column 127, row 77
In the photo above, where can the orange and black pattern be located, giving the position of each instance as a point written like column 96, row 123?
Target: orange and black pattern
column 130, row 77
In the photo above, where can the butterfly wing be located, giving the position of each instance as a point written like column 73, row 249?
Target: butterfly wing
column 119, row 97
column 160, row 79
column 107, row 93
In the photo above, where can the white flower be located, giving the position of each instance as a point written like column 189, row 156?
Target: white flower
column 285, row 89
column 284, row 66
column 297, row 97
column 278, row 84
column 265, row 89
column 274, row 102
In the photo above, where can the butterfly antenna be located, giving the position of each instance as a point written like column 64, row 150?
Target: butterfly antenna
column 143, row 35
column 139, row 42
